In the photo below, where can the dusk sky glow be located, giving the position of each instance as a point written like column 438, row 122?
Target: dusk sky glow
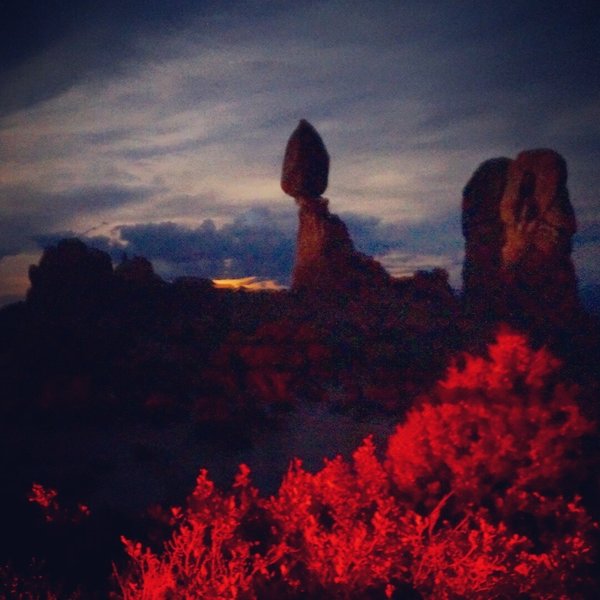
column 132, row 127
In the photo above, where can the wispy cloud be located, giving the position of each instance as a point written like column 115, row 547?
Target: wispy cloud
column 26, row 213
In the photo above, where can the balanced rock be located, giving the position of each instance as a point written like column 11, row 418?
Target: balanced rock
column 326, row 260
column 306, row 163
column 518, row 224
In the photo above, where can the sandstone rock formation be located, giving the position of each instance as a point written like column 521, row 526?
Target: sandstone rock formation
column 484, row 237
column 69, row 276
column 138, row 271
column 518, row 224
column 326, row 260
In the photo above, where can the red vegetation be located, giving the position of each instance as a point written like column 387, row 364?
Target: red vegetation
column 503, row 422
column 475, row 498
column 47, row 499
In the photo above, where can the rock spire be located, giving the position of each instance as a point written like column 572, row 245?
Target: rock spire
column 518, row 224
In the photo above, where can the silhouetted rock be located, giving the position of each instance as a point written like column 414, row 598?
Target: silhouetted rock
column 138, row 271
column 518, row 224
column 306, row 163
column 70, row 275
column 188, row 292
column 484, row 237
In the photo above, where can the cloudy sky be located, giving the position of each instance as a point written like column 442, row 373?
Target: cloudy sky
column 159, row 126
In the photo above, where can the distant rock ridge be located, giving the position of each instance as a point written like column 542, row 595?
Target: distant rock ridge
column 70, row 275
column 326, row 259
column 518, row 224
column 138, row 271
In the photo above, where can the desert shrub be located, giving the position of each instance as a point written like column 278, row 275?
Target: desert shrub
column 470, row 501
column 207, row 556
column 499, row 423
column 342, row 525
column 481, row 558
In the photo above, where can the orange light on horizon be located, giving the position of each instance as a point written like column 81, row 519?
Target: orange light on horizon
column 251, row 284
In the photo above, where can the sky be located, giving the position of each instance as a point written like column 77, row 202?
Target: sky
column 158, row 128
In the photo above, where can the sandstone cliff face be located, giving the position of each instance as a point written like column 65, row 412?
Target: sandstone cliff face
column 326, row 260
column 484, row 237
column 518, row 224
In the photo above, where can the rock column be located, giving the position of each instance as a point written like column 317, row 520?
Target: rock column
column 518, row 223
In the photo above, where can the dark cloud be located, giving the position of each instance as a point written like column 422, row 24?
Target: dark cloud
column 251, row 241
column 588, row 233
column 370, row 235
column 258, row 243
column 374, row 236
column 27, row 27
column 405, row 247
column 47, row 47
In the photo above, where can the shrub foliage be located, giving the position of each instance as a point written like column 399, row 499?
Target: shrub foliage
column 475, row 497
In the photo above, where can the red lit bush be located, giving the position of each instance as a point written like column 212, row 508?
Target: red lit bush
column 481, row 558
column 207, row 556
column 475, row 499
column 342, row 525
column 500, row 423
column 46, row 498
